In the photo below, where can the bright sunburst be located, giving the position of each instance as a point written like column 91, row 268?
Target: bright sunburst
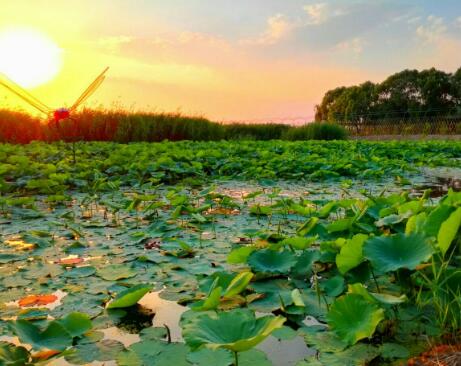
column 28, row 57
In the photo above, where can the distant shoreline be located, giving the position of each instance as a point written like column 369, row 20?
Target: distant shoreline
column 406, row 137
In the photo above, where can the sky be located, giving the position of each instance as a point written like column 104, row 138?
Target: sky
column 232, row 60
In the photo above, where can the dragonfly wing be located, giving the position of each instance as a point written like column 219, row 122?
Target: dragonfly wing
column 24, row 95
column 90, row 90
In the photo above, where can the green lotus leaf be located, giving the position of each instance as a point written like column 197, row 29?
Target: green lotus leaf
column 391, row 220
column 173, row 354
column 435, row 219
column 54, row 337
column 325, row 341
column 11, row 355
column 153, row 333
column 308, row 226
column 129, row 358
column 147, row 350
column 207, row 357
column 37, row 240
column 299, row 242
column 76, row 324
column 238, row 330
column 271, row 261
column 353, row 318
column 211, row 302
column 448, row 231
column 351, row 254
column 358, row 355
column 259, row 210
column 393, row 351
column 390, row 253
column 8, row 257
column 114, row 272
column 32, row 314
column 272, row 301
column 389, row 299
column 382, row 298
column 240, row 255
column 340, row 225
column 217, row 279
column 129, row 297
column 80, row 272
column 254, row 357
column 334, row 286
column 304, row 263
column 285, row 333
column 297, row 298
column 105, row 350
column 238, row 284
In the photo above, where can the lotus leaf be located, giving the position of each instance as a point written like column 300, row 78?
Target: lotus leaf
column 351, row 254
column 54, row 337
column 390, row 253
column 271, row 261
column 448, row 230
column 353, row 318
column 11, row 355
column 129, row 297
column 237, row 330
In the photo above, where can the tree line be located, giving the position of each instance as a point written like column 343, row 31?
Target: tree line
column 404, row 95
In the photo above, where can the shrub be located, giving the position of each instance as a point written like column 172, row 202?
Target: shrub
column 316, row 131
column 123, row 126
column 266, row 131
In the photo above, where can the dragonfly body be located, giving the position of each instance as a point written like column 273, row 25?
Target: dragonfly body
column 60, row 114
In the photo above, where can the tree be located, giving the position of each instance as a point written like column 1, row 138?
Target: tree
column 399, row 95
column 456, row 84
column 322, row 110
column 354, row 104
column 409, row 93
column 437, row 92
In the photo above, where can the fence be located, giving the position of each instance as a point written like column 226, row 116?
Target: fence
column 450, row 125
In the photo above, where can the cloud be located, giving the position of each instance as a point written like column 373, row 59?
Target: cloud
column 354, row 45
column 114, row 43
column 278, row 27
column 317, row 13
column 320, row 13
column 458, row 22
column 433, row 30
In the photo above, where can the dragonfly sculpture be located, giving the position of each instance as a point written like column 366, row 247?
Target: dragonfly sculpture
column 54, row 115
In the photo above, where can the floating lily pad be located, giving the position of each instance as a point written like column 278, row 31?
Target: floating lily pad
column 54, row 337
column 207, row 357
column 114, row 272
column 104, row 350
column 11, row 355
column 271, row 261
column 76, row 324
column 80, row 272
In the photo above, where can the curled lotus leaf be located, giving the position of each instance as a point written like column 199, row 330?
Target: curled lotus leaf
column 238, row 330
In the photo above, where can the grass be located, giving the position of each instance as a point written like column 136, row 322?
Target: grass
column 316, row 131
column 121, row 126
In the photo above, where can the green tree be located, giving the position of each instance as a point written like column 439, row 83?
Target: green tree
column 322, row 109
column 409, row 93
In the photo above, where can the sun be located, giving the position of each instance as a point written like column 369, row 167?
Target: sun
column 29, row 57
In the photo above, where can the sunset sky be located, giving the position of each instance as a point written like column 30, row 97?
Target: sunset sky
column 233, row 59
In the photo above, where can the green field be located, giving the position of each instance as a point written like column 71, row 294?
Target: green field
column 248, row 252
